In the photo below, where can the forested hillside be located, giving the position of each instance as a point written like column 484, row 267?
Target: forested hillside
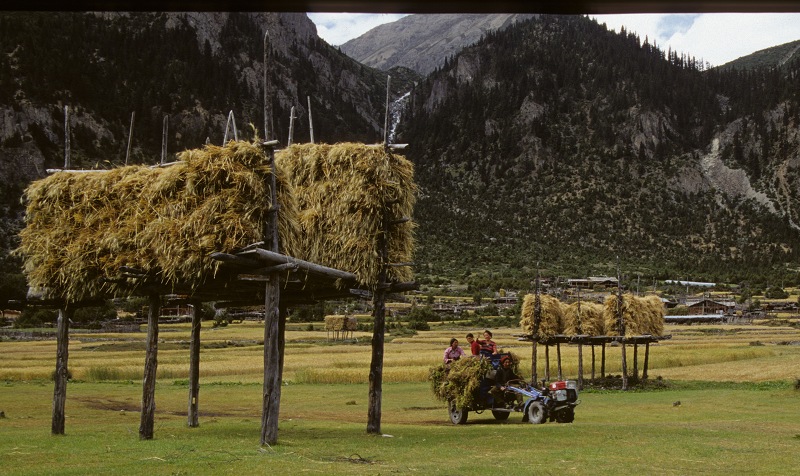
column 559, row 142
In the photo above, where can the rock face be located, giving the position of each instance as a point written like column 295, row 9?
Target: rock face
column 423, row 42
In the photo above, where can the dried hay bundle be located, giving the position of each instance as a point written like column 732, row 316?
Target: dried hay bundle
column 552, row 316
column 640, row 315
column 84, row 226
column 583, row 321
column 592, row 319
column 653, row 320
column 341, row 323
column 343, row 190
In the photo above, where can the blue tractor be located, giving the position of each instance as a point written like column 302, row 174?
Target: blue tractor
column 555, row 402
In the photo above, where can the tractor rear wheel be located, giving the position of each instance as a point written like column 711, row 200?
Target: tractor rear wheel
column 458, row 415
column 500, row 416
column 536, row 414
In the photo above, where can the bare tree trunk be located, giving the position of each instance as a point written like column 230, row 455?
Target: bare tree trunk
column 150, row 368
column 62, row 372
column 194, row 365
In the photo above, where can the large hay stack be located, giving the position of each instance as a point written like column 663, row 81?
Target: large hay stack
column 640, row 315
column 588, row 322
column 83, row 226
column 552, row 316
column 342, row 191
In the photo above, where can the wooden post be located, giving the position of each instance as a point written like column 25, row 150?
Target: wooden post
column 635, row 361
column 580, row 366
column 150, row 368
column 310, row 120
column 291, row 127
column 272, row 326
column 194, row 365
column 386, row 122
column 164, row 134
column 621, row 329
column 603, row 360
column 558, row 355
column 67, row 157
column 547, row 362
column 266, row 85
column 62, row 372
column 593, row 363
column 130, row 138
column 624, row 368
column 379, row 327
column 646, row 359
column 537, row 319
column 534, row 374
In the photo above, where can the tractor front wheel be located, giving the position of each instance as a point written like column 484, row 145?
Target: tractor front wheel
column 536, row 413
column 500, row 416
column 566, row 415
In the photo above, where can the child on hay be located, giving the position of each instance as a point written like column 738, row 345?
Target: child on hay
column 474, row 347
column 453, row 352
column 488, row 346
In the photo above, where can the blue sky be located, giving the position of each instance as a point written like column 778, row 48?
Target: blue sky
column 713, row 37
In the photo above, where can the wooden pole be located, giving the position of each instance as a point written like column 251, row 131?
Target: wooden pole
column 194, row 365
column 580, row 366
column 164, row 133
column 130, row 138
column 62, row 372
column 67, row 158
column 603, row 360
column 646, row 359
column 593, row 363
column 537, row 319
column 310, row 120
column 635, row 361
column 534, row 374
column 386, row 122
column 150, row 368
column 267, row 89
column 621, row 329
column 291, row 126
column 547, row 362
column 379, row 327
column 272, row 326
column 558, row 356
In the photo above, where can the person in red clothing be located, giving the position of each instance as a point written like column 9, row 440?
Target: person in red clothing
column 474, row 347
column 488, row 346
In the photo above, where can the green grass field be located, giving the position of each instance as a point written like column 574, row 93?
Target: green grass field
column 739, row 409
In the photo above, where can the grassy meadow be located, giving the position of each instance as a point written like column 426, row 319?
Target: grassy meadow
column 739, row 408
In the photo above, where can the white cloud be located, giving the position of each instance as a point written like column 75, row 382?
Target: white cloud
column 713, row 37
column 337, row 28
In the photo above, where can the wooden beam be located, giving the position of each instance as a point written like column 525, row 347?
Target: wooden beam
column 273, row 257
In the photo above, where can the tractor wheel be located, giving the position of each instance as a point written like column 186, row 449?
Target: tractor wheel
column 500, row 416
column 458, row 415
column 536, row 414
column 566, row 416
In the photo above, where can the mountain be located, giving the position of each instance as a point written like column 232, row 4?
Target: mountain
column 552, row 143
column 191, row 68
column 422, row 42
column 776, row 56
column 556, row 141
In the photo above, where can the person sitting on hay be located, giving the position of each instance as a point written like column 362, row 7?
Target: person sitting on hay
column 453, row 352
column 503, row 375
column 488, row 346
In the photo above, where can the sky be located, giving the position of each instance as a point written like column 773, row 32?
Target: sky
column 712, row 37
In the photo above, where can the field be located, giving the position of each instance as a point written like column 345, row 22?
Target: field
column 729, row 403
